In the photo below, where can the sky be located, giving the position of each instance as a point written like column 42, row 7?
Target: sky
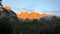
column 40, row 6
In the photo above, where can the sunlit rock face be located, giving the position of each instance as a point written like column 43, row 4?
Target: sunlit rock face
column 52, row 14
column 0, row 9
column 32, row 15
column 7, row 7
column 24, row 15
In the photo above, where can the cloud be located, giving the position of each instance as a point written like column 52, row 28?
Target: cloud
column 27, row 9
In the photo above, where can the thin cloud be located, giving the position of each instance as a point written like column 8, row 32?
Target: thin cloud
column 28, row 9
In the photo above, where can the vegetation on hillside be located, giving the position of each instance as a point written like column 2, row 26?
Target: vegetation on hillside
column 11, row 24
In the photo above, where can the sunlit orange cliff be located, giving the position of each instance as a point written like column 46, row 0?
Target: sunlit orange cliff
column 31, row 15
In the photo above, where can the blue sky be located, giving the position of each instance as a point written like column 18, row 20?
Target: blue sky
column 41, row 6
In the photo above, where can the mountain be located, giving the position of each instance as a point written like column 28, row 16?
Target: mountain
column 7, row 13
column 8, row 20
column 32, row 15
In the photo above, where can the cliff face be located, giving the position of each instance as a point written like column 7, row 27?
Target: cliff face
column 32, row 15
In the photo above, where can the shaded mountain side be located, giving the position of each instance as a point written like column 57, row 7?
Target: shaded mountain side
column 8, row 21
column 7, row 14
column 41, row 26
